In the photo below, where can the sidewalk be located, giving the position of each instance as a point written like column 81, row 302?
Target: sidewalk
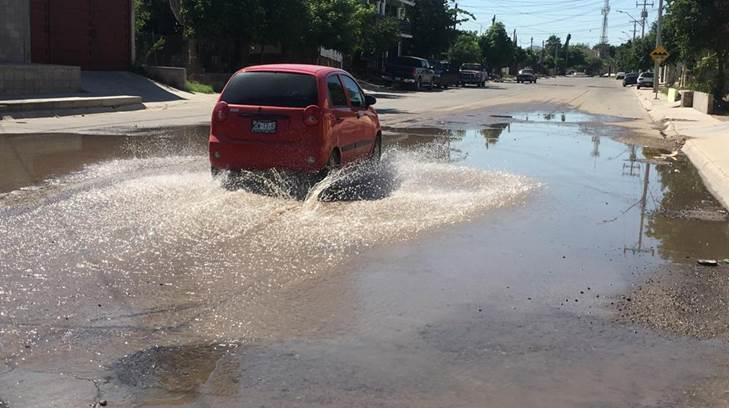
column 706, row 140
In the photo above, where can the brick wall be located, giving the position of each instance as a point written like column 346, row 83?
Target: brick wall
column 15, row 31
column 31, row 80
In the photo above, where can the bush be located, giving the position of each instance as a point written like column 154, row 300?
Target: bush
column 198, row 87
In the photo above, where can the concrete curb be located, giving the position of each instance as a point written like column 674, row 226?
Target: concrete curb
column 706, row 141
column 714, row 174
column 50, row 104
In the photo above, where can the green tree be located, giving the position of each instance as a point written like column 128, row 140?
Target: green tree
column 285, row 23
column 222, row 19
column 335, row 24
column 497, row 47
column 465, row 49
column 434, row 27
column 379, row 33
column 700, row 27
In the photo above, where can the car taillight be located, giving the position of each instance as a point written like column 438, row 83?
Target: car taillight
column 221, row 111
column 312, row 115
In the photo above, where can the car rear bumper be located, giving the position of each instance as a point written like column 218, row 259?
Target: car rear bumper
column 243, row 155
column 391, row 78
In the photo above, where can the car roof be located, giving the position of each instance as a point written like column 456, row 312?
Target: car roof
column 316, row 70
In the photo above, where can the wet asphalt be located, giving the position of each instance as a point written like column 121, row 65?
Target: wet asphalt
column 520, row 257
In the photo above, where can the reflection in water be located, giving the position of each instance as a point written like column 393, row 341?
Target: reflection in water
column 688, row 221
column 631, row 167
column 638, row 248
column 29, row 159
column 595, row 146
column 491, row 133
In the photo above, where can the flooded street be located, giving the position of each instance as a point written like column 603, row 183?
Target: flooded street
column 523, row 259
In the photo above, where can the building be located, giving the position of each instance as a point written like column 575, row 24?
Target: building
column 92, row 34
column 399, row 10
column 45, row 43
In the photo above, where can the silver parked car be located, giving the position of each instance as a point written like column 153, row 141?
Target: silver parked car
column 645, row 80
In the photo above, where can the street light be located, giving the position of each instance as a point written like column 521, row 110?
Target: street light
column 635, row 22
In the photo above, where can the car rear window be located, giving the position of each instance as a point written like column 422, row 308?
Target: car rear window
column 271, row 89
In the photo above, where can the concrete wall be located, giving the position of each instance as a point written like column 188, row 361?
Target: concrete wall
column 703, row 102
column 687, row 99
column 15, row 31
column 34, row 79
column 172, row 76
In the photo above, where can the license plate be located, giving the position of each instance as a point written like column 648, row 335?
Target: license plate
column 263, row 126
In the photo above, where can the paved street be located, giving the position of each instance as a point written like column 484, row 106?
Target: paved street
column 525, row 245
column 598, row 96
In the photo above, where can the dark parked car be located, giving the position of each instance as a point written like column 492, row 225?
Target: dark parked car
column 303, row 118
column 631, row 78
column 526, row 75
column 473, row 73
column 444, row 76
column 412, row 71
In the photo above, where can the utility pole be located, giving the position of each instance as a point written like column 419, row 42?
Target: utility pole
column 643, row 16
column 605, row 12
column 531, row 44
column 541, row 61
column 659, row 42
column 635, row 27
column 556, row 55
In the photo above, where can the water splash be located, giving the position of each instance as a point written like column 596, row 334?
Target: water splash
column 160, row 231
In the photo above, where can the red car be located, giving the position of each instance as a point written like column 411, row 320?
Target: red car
column 303, row 118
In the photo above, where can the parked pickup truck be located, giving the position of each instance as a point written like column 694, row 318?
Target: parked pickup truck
column 413, row 71
column 473, row 73
column 444, row 76
column 526, row 75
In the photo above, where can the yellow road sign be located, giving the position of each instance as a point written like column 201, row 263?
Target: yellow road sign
column 660, row 54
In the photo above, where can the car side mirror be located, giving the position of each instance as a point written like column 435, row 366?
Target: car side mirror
column 370, row 100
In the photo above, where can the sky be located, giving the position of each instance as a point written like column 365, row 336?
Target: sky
column 541, row 18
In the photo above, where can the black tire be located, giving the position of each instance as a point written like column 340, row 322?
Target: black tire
column 377, row 149
column 638, row 86
column 418, row 84
column 335, row 161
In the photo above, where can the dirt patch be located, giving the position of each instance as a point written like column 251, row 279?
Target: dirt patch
column 685, row 300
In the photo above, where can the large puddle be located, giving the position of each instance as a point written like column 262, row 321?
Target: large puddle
column 112, row 245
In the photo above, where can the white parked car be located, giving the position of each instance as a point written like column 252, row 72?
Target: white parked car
column 645, row 80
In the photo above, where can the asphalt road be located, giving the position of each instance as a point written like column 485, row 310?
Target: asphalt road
column 520, row 245
column 597, row 96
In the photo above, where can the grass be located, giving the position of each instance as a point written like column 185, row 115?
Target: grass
column 198, row 87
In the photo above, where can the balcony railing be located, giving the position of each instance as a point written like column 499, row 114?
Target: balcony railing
column 406, row 27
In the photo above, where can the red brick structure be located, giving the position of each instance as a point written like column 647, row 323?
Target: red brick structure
column 92, row 34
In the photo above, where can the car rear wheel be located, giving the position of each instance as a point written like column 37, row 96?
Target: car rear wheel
column 377, row 149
